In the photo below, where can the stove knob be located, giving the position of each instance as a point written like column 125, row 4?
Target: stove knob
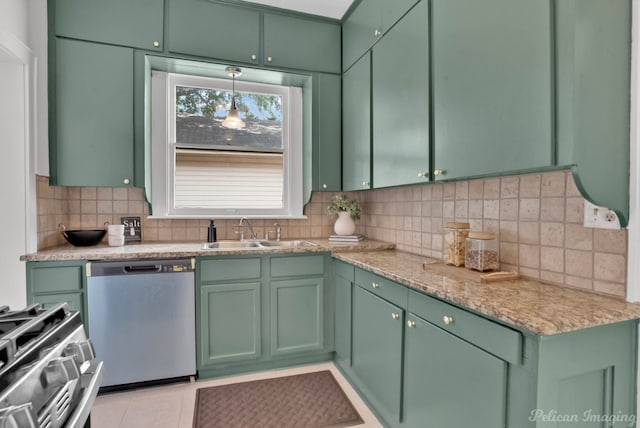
column 61, row 370
column 18, row 417
column 81, row 350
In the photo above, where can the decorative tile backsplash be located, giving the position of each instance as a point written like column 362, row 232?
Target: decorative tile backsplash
column 537, row 217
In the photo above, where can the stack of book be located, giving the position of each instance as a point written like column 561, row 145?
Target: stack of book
column 346, row 238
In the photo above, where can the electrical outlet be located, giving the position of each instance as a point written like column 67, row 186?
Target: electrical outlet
column 600, row 217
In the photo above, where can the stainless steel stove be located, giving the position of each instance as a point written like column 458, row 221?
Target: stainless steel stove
column 49, row 376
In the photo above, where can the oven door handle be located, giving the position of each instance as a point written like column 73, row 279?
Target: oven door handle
column 81, row 412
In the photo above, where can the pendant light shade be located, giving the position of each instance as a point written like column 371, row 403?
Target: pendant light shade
column 233, row 120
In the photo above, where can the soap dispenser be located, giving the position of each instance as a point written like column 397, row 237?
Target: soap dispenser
column 211, row 235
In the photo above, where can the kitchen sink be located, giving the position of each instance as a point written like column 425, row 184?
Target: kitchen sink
column 256, row 244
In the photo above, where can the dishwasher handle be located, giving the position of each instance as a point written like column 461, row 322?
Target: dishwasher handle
column 143, row 268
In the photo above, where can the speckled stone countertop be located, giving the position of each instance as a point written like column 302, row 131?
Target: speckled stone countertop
column 173, row 249
column 543, row 309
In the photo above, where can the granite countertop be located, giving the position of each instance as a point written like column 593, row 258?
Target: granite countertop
column 540, row 308
column 189, row 249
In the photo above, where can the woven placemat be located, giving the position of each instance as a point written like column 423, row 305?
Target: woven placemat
column 306, row 400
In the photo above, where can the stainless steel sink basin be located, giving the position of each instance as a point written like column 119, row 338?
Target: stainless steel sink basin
column 256, row 245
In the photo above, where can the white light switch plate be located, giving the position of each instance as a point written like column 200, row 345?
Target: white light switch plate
column 600, row 217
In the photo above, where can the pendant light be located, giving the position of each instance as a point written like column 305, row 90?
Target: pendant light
column 233, row 121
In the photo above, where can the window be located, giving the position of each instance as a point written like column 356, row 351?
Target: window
column 201, row 169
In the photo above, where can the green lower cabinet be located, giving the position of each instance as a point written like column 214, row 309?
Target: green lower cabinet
column 449, row 382
column 49, row 283
column 297, row 316
column 377, row 332
column 343, row 290
column 230, row 321
column 262, row 312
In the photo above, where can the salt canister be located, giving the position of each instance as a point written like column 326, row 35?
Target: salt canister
column 481, row 252
column 455, row 235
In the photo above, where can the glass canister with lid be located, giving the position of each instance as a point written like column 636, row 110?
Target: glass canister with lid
column 481, row 252
column 455, row 234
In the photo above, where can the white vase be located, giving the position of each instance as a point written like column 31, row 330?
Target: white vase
column 344, row 225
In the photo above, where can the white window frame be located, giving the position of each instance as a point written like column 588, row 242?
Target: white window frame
column 163, row 147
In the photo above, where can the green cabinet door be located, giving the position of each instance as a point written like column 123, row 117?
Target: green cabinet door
column 301, row 43
column 593, row 43
column 492, row 86
column 400, row 75
column 91, row 137
column 297, row 315
column 327, row 132
column 134, row 23
column 367, row 24
column 449, row 382
column 356, row 126
column 343, row 321
column 229, row 323
column 376, row 352
column 214, row 30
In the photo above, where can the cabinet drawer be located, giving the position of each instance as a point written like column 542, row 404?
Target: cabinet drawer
column 488, row 335
column 297, row 266
column 54, row 279
column 382, row 287
column 345, row 270
column 224, row 269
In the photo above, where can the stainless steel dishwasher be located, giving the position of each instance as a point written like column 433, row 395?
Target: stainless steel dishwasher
column 142, row 319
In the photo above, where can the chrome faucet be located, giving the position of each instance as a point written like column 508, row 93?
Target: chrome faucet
column 278, row 231
column 247, row 223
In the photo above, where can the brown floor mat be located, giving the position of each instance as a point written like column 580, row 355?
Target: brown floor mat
column 306, row 400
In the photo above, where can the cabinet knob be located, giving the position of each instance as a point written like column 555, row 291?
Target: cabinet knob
column 269, row 59
column 439, row 172
column 254, row 57
column 156, row 44
column 447, row 319
column 365, row 184
column 376, row 32
column 324, row 186
column 395, row 315
column 126, row 181
column 411, row 324
column 375, row 285
column 423, row 174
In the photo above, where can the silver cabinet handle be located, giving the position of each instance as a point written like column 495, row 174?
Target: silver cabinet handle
column 324, row 186
column 269, row 59
column 126, row 181
column 254, row 57
column 365, row 184
column 439, row 172
column 423, row 174
column 411, row 324
column 156, row 44
column 376, row 32
column 395, row 315
column 375, row 285
column 447, row 319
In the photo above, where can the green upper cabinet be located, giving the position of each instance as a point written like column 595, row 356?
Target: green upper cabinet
column 327, row 138
column 593, row 42
column 292, row 42
column 134, row 23
column 492, row 86
column 213, row 30
column 368, row 22
column 356, row 126
column 400, row 80
column 91, row 137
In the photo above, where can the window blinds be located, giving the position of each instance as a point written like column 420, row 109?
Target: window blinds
column 228, row 179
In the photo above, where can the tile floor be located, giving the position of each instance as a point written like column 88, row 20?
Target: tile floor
column 172, row 406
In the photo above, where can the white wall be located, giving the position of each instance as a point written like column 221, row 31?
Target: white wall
column 18, row 74
column 37, row 41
